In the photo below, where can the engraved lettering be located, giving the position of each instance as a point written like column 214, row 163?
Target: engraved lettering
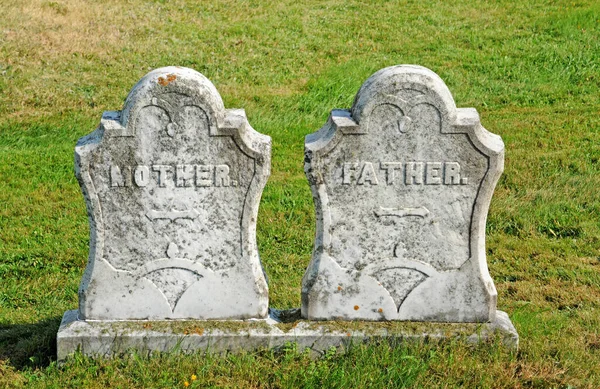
column 413, row 173
column 389, row 168
column 222, row 175
column 367, row 174
column 116, row 178
column 162, row 174
column 451, row 173
column 181, row 176
column 203, row 175
column 349, row 167
column 432, row 173
column 127, row 175
column 184, row 175
column 141, row 176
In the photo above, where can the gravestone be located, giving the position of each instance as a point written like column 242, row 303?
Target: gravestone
column 172, row 185
column 402, row 185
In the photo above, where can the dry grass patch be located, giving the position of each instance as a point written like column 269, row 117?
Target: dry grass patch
column 47, row 30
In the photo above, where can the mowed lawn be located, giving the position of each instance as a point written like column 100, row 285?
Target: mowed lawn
column 531, row 69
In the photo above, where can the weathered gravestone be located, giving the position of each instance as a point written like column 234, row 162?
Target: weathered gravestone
column 402, row 184
column 172, row 185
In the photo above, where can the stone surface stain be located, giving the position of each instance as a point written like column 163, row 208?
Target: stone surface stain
column 164, row 81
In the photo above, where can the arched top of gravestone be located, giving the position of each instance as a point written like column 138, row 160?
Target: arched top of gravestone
column 173, row 88
column 402, row 83
column 174, row 79
column 405, row 87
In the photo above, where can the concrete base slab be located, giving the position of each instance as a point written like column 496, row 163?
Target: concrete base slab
column 110, row 338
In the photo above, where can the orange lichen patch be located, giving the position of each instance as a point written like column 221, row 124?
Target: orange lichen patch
column 199, row 331
column 356, row 307
column 380, row 310
column 339, row 287
column 166, row 81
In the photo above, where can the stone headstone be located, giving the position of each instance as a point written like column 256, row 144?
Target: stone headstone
column 402, row 185
column 172, row 185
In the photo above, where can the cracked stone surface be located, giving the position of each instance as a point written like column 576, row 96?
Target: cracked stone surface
column 172, row 185
column 402, row 184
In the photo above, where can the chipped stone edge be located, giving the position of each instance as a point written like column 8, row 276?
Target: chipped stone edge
column 112, row 338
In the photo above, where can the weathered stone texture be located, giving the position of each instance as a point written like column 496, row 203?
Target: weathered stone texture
column 112, row 338
column 402, row 184
column 172, row 185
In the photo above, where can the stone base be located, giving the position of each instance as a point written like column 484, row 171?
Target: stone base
column 109, row 338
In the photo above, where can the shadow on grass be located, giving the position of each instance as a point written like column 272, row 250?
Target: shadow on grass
column 29, row 344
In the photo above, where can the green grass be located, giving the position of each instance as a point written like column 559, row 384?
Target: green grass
column 531, row 68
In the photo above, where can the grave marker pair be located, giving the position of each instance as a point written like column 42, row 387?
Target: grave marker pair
column 401, row 183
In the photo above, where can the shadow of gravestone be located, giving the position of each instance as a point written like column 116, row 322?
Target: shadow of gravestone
column 29, row 344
